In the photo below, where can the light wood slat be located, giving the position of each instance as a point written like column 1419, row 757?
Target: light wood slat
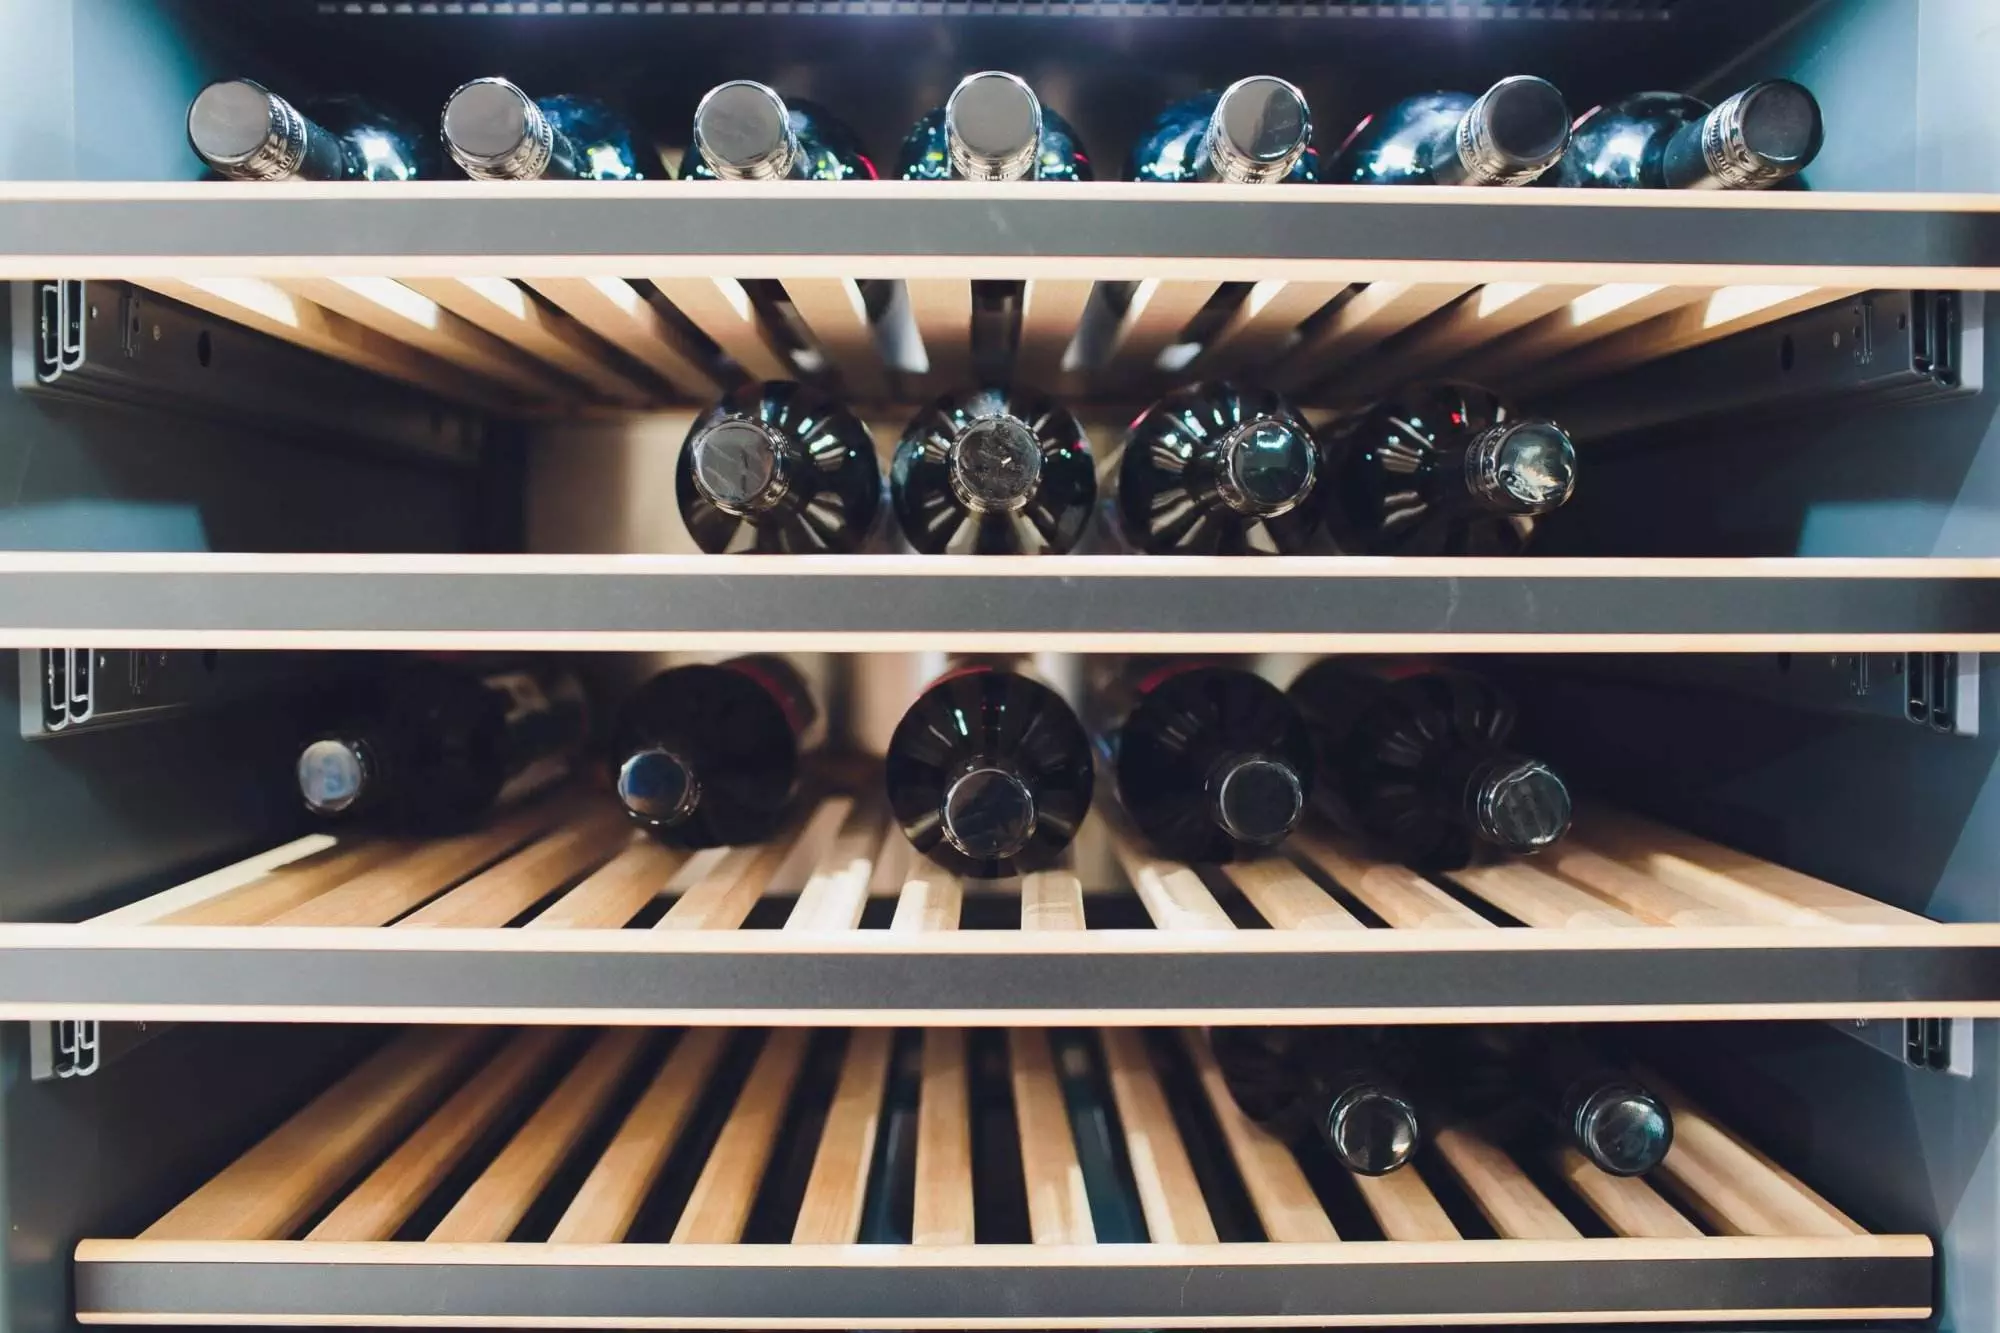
column 1404, row 1207
column 837, row 892
column 283, row 888
column 1400, row 896
column 496, row 1202
column 1536, row 898
column 270, row 1190
column 617, row 891
column 1361, row 322
column 1719, row 314
column 1721, row 893
column 266, row 307
column 1486, row 315
column 1058, row 1207
column 610, row 1197
column 377, row 897
column 377, row 1207
column 313, row 849
column 895, row 863
column 1502, row 1191
column 1173, row 894
column 1051, row 900
column 720, row 886
column 1169, row 1192
column 1286, row 897
column 1051, row 310
column 720, row 308
column 943, row 1214
column 833, row 309
column 930, row 901
column 614, row 310
column 1159, row 310
column 498, row 895
column 720, row 1206
column 942, row 308
column 1642, row 895
column 1264, row 325
column 390, row 308
column 830, row 1211
column 503, row 308
column 1598, row 313
column 1628, row 1205
column 1287, row 1207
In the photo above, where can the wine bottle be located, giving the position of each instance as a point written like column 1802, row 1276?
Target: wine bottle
column 708, row 755
column 1417, row 760
column 1212, row 762
column 744, row 131
column 496, row 132
column 1508, row 135
column 246, row 132
column 779, row 467
column 993, row 128
column 1444, row 469
column 1757, row 138
column 430, row 745
column 1255, row 131
column 1521, row 1086
column 1329, row 1084
column 989, row 772
column 993, row 472
column 1218, row 469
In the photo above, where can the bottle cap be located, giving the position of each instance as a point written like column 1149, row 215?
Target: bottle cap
column 1257, row 800
column 1762, row 135
column 989, row 814
column 996, row 464
column 739, row 466
column 1260, row 129
column 1371, row 1130
column 658, row 787
column 743, row 131
column 1624, row 1129
column 1520, row 804
column 244, row 130
column 1525, row 467
column 1514, row 132
column 1268, row 467
column 496, row 132
column 993, row 127
column 332, row 775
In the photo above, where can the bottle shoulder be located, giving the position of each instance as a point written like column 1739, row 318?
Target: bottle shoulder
column 1397, row 145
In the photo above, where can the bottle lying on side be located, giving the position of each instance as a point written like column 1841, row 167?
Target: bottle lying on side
column 993, row 472
column 744, row 131
column 244, row 131
column 1416, row 760
column 1508, row 135
column 1256, row 131
column 497, row 132
column 993, row 128
column 1221, row 470
column 1758, row 138
column 778, row 467
column 1332, row 1085
column 708, row 755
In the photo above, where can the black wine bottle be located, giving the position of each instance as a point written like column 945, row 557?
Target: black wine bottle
column 989, row 773
column 1508, row 135
column 1218, row 469
column 1757, row 138
column 244, row 131
column 496, row 132
column 1444, row 469
column 430, row 745
column 1255, row 131
column 1417, row 761
column 1521, row 1086
column 1212, row 762
column 993, row 472
column 779, row 467
column 744, row 131
column 993, row 128
column 1329, row 1084
column 708, row 755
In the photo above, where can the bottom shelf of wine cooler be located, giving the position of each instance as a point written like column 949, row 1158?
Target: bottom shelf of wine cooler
column 801, row 1178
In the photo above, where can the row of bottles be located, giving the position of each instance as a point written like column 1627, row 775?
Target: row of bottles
column 990, row 772
column 1438, row 469
column 993, row 127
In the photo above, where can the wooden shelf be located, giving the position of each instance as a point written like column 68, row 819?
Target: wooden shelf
column 390, row 1200
column 558, row 914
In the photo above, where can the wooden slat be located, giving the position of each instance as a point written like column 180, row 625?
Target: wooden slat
column 943, row 1214
column 1534, row 897
column 720, row 1205
column 1737, row 1189
column 1159, row 310
column 1595, row 314
column 942, row 308
column 833, row 309
column 1285, row 896
column 1628, row 1205
column 285, row 888
column 1361, row 322
column 1404, row 1207
column 1401, row 897
column 1718, row 314
column 498, row 895
column 1642, row 895
column 719, row 887
column 610, row 1196
column 313, row 849
column 614, row 310
column 403, row 313
column 270, row 1190
column 830, row 1212
column 617, row 891
column 1287, row 1207
column 379, row 1205
column 1058, row 1207
column 496, row 1202
column 1169, row 1192
column 1484, row 316
column 720, row 308
column 1051, row 900
column 930, row 900
column 1264, row 325
column 837, row 891
column 1500, row 1189
column 1051, row 310
column 1173, row 894
column 503, row 308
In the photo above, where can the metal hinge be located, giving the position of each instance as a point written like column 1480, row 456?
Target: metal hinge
column 1935, row 1045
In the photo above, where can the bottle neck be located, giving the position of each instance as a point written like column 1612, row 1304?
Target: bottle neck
column 496, row 132
column 1515, row 131
column 1262, row 469
column 743, row 467
column 743, row 131
column 995, row 465
column 1255, row 799
column 340, row 774
column 993, row 128
column 988, row 812
column 1522, row 467
column 658, row 788
column 1370, row 1129
column 1259, row 130
column 244, row 131
column 1516, row 804
column 1617, row 1124
column 1761, row 136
